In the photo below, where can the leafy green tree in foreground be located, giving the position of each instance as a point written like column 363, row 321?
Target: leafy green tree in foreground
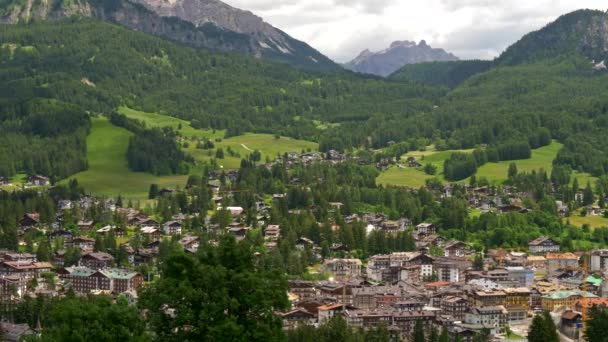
column 224, row 293
column 597, row 325
column 93, row 318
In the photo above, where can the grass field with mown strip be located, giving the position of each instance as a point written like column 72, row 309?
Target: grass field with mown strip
column 407, row 176
column 108, row 172
column 242, row 145
column 593, row 221
column 159, row 120
column 494, row 172
column 542, row 158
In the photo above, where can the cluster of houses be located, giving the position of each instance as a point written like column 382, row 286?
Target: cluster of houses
column 444, row 291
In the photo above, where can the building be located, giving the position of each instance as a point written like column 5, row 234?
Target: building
column 454, row 249
column 450, row 268
column 172, row 228
column 302, row 288
column 487, row 298
column 599, row 260
column 517, row 303
column 343, row 268
column 372, row 297
column 85, row 225
column 12, row 287
column 409, row 305
column 520, row 276
column 568, row 299
column 454, row 306
column 26, row 270
column 543, row 245
column 395, row 267
column 402, row 322
column 558, row 261
column 327, row 312
column 494, row 318
column 97, row 260
column 38, row 180
column 29, row 220
column 272, row 232
column 85, row 280
column 83, row 243
column 15, row 332
column 296, row 318
column 150, row 233
column 425, row 229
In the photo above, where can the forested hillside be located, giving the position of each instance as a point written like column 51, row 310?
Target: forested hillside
column 448, row 74
column 580, row 33
column 94, row 67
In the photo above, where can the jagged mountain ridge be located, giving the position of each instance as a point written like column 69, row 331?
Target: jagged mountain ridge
column 400, row 53
column 207, row 24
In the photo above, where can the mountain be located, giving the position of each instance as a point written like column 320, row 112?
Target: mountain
column 53, row 73
column 207, row 24
column 400, row 53
column 583, row 33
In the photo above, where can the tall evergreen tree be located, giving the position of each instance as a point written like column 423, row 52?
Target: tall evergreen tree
column 419, row 332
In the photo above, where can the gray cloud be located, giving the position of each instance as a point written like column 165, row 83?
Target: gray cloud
column 341, row 29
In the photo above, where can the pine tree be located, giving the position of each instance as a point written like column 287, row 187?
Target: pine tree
column 549, row 329
column 536, row 330
column 596, row 325
column 43, row 253
column 419, row 332
column 444, row 336
column 588, row 197
column 512, row 173
column 478, row 262
column 99, row 244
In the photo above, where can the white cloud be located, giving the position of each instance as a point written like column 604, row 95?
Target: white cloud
column 468, row 28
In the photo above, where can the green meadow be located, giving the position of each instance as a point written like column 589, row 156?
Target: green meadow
column 241, row 146
column 159, row 120
column 542, row 158
column 108, row 172
column 407, row 176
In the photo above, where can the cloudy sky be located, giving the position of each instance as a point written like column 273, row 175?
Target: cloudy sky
column 468, row 28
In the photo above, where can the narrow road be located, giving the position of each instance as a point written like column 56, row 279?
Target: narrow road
column 247, row 148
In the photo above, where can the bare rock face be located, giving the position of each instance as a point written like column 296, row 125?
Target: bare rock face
column 399, row 53
column 209, row 24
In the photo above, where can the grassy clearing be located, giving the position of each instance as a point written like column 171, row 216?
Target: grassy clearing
column 242, row 145
column 494, row 172
column 542, row 158
column 592, row 221
column 406, row 176
column 159, row 120
column 108, row 172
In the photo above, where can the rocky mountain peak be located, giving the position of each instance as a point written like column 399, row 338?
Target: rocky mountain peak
column 398, row 54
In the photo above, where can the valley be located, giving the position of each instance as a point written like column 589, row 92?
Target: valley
column 184, row 171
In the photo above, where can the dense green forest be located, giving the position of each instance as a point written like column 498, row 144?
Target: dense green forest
column 93, row 67
column 448, row 74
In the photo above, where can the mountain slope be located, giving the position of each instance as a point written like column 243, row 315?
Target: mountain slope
column 53, row 72
column 582, row 32
column 448, row 74
column 400, row 53
column 200, row 23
